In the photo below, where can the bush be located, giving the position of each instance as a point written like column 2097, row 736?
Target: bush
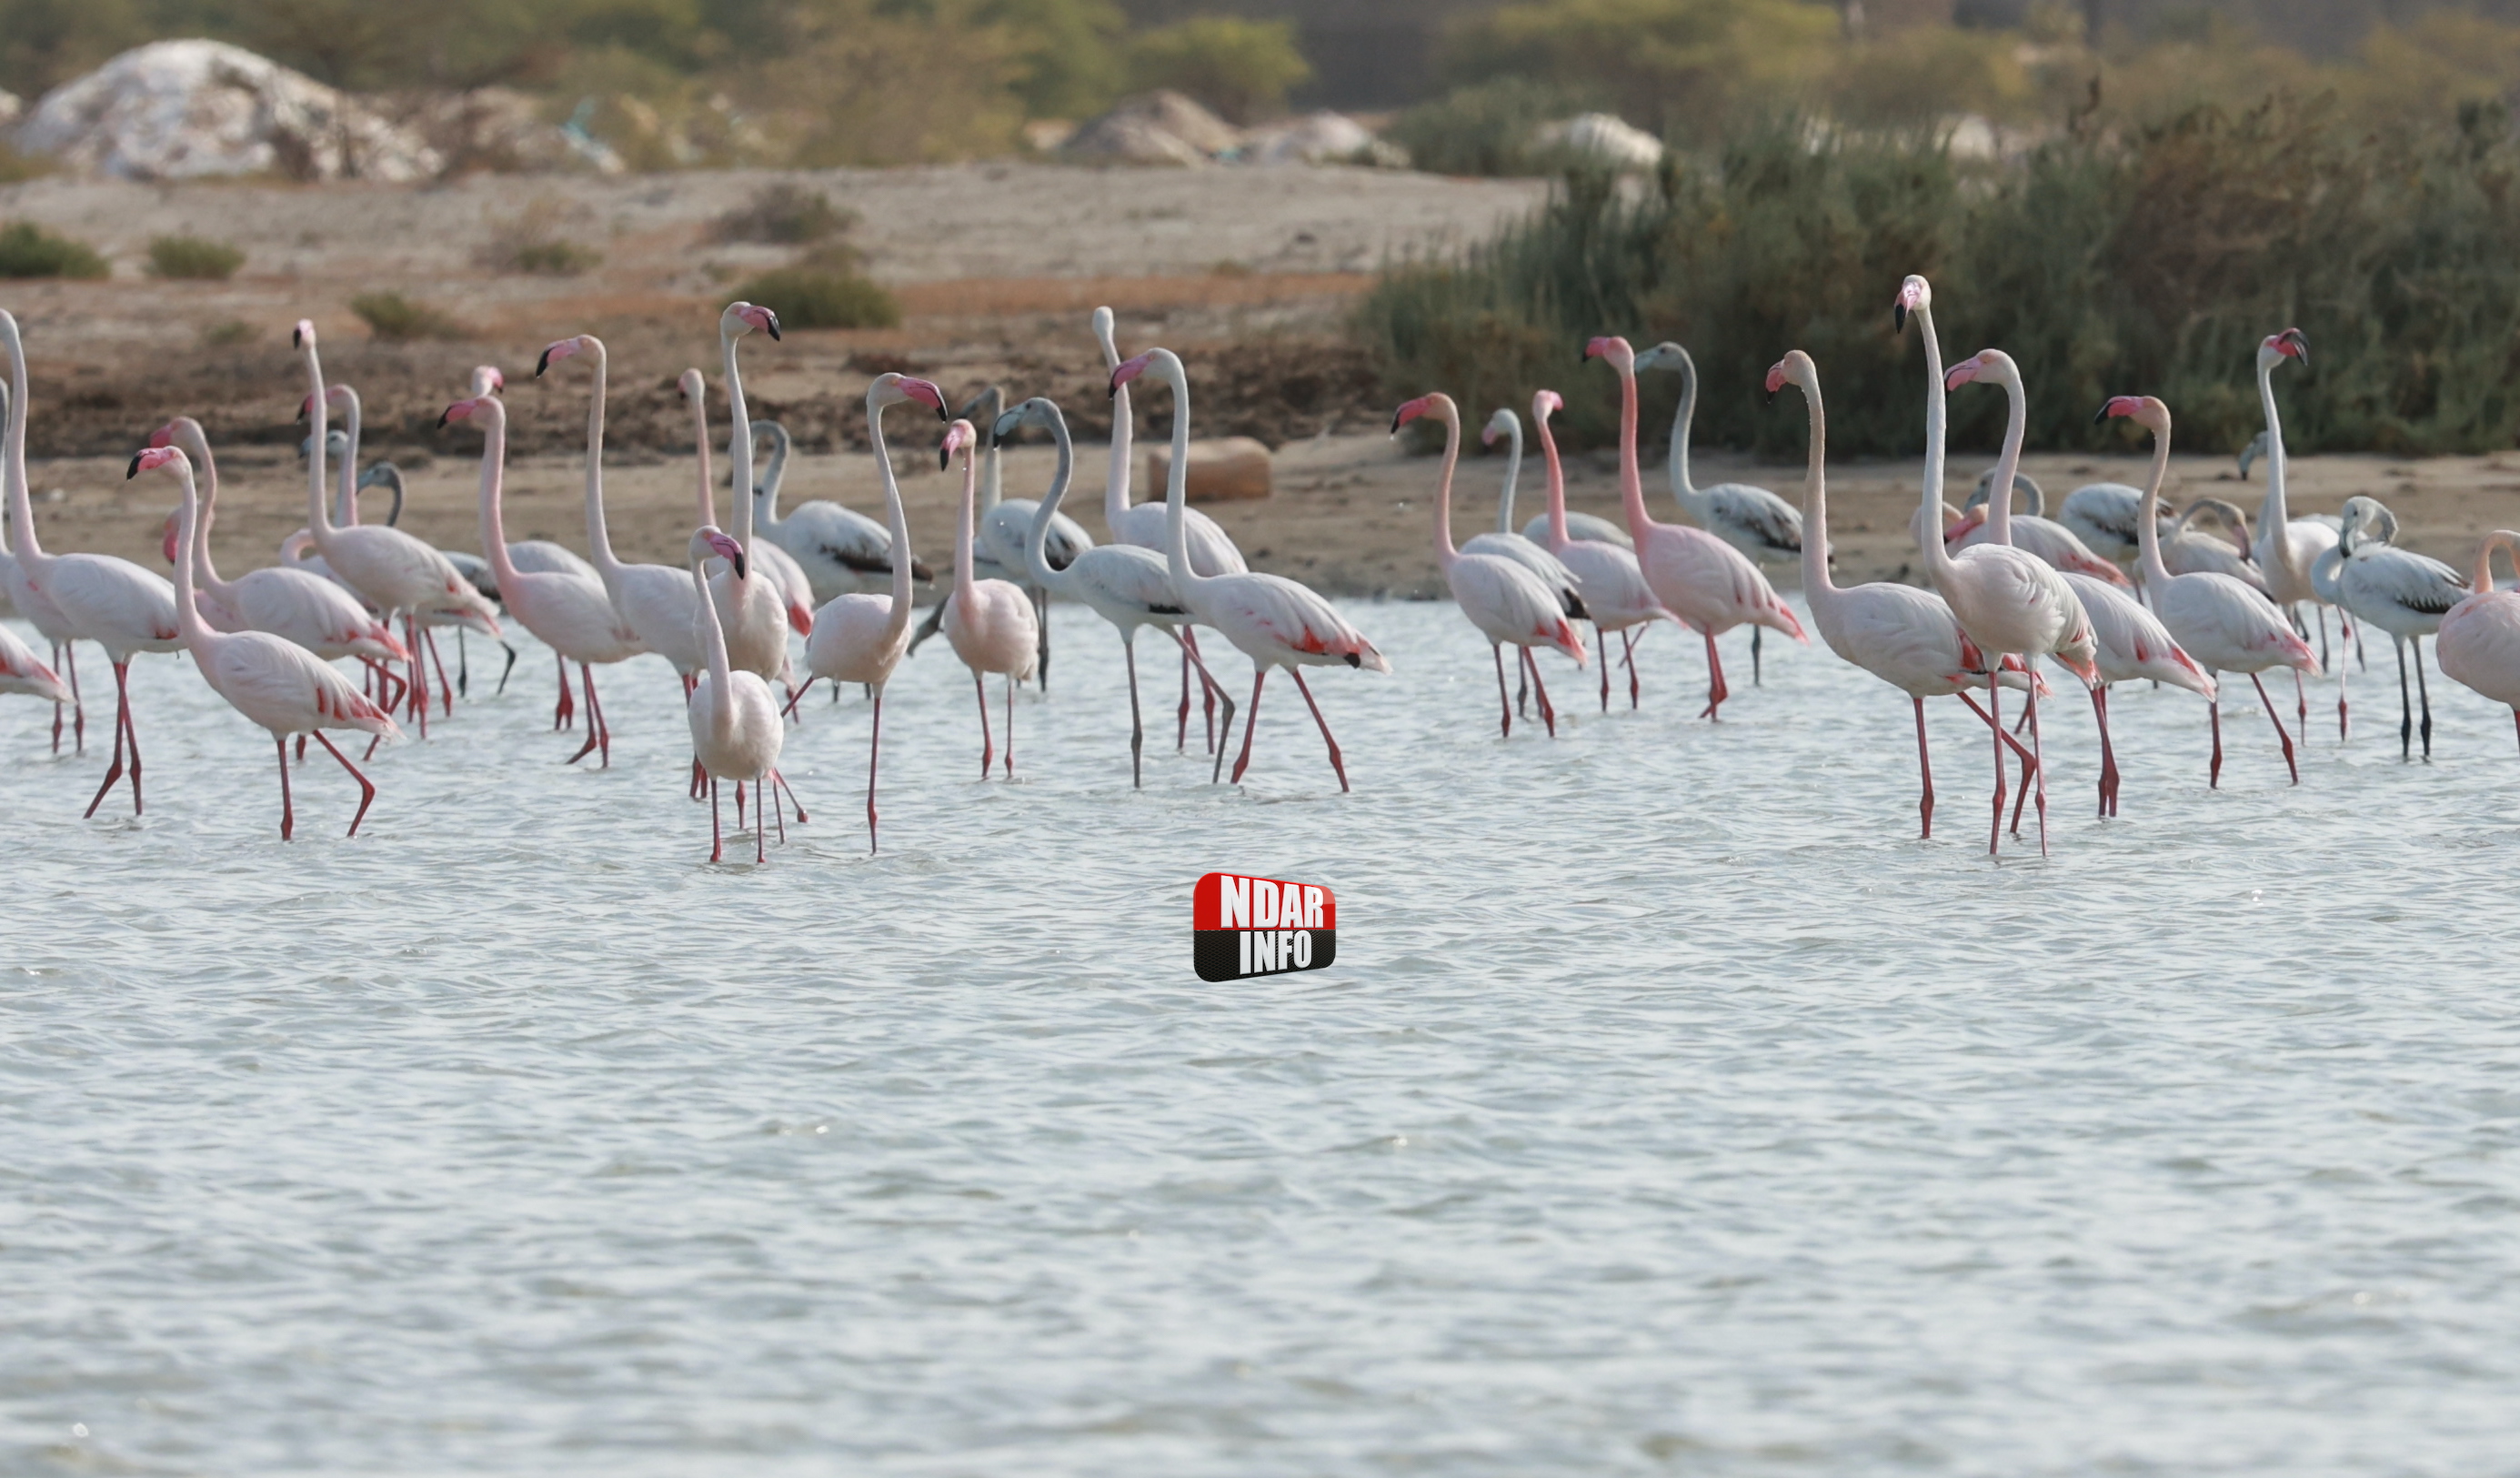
column 1664, row 65
column 823, row 293
column 1487, row 128
column 396, row 319
column 785, row 214
column 193, row 258
column 1242, row 68
column 227, row 333
column 2143, row 262
column 28, row 249
column 555, row 258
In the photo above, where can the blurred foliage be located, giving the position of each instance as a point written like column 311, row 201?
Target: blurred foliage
column 1488, row 127
column 396, row 319
column 1677, row 66
column 785, row 213
column 28, row 249
column 193, row 257
column 824, row 291
column 1242, row 68
column 2107, row 261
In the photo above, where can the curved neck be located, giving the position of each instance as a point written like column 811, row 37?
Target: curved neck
column 1816, row 581
column 699, row 437
column 1512, row 472
column 1632, row 487
column 713, row 643
column 992, row 478
column 1682, row 420
column 2503, row 539
column 1445, row 552
column 963, row 520
column 23, row 542
column 1115, row 492
column 739, row 445
column 1999, row 493
column 1558, row 537
column 598, row 535
column 765, row 498
column 346, row 502
column 2148, row 515
column 197, row 446
column 494, row 460
column 318, row 521
column 895, row 519
column 191, row 533
column 2273, row 517
column 1177, row 479
column 1929, row 516
column 1036, row 540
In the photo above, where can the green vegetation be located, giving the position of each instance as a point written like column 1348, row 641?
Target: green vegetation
column 227, row 333
column 193, row 257
column 1488, row 127
column 28, row 249
column 824, row 291
column 2108, row 261
column 1240, row 68
column 785, row 214
column 396, row 319
column 555, row 259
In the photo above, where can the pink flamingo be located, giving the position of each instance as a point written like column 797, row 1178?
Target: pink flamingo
column 276, row 683
column 1503, row 599
column 1903, row 635
column 990, row 623
column 1607, row 578
column 1711, row 586
column 2478, row 642
column 768, row 604
column 47, row 618
column 1212, row 551
column 2007, row 600
column 389, row 568
column 2225, row 625
column 570, row 612
column 22, row 672
column 860, row 638
column 2050, row 540
column 113, row 602
column 736, row 728
column 1274, row 620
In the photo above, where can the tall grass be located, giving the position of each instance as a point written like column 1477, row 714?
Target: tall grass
column 2108, row 262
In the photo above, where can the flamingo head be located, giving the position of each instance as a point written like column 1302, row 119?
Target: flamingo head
column 560, row 349
column 488, row 378
column 156, row 456
column 1915, row 295
column 340, row 396
column 742, row 318
column 1039, row 411
column 1796, row 368
column 1544, row 404
column 2144, row 410
column 1621, row 355
column 709, row 542
column 464, row 410
column 890, row 387
column 1130, row 368
column 1501, row 426
column 2291, row 343
column 693, row 385
column 1664, row 356
column 302, row 337
column 1438, row 405
column 1106, row 323
column 163, row 435
column 959, row 437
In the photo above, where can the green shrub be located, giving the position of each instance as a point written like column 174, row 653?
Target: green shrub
column 396, row 319
column 28, row 249
column 1242, row 68
column 785, row 214
column 555, row 258
column 1487, row 128
column 2110, row 263
column 822, row 291
column 227, row 333
column 193, row 257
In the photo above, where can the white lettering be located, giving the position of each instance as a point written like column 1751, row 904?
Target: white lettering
column 1264, row 949
column 1264, row 904
column 1313, row 900
column 1304, row 946
column 1246, row 936
column 1233, row 902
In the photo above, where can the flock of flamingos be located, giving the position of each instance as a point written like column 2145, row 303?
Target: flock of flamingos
column 2006, row 590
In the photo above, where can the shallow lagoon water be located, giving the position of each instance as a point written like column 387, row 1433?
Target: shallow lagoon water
column 1670, row 1108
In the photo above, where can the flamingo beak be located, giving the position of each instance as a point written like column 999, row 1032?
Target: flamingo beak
column 1776, row 381
column 164, row 434
column 135, row 466
column 1596, row 349
column 544, row 363
column 1409, row 411
column 1128, row 370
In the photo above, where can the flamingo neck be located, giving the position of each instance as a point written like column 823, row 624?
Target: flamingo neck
column 765, row 498
column 2274, row 517
column 1683, row 422
column 1999, row 493
column 346, row 501
column 739, row 446
column 197, row 446
column 319, row 522
column 494, row 467
column 1115, row 492
column 2502, row 539
column 1557, row 536
column 894, row 517
column 1177, row 478
column 963, row 520
column 21, row 541
column 721, row 715
column 993, row 489
column 1445, row 552
column 699, row 436
column 598, row 534
column 1816, row 582
column 2148, row 520
column 1036, row 540
column 1929, row 516
column 1632, row 485
column 192, row 533
column 1513, row 474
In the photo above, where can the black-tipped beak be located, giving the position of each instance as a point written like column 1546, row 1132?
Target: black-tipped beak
column 1771, row 398
column 944, row 458
column 1899, row 318
column 1396, row 423
column 542, row 364
column 441, row 417
column 1115, row 384
column 2100, row 415
column 296, row 339
column 302, row 412
column 135, row 467
column 774, row 325
column 737, row 563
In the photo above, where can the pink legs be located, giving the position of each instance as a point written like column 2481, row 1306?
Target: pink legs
column 2278, row 720
column 1137, row 722
column 565, row 713
column 66, row 657
column 1216, row 694
column 2214, row 711
column 1548, row 714
column 599, row 736
column 1010, row 720
column 416, row 686
column 988, row 745
column 717, row 839
column 367, row 787
column 1209, row 691
column 874, row 752
column 2038, row 772
column 1716, row 691
column 1496, row 650
column 2109, row 752
column 1925, row 768
column 1336, row 764
column 288, row 813
column 445, row 690
column 1251, row 718
column 1995, row 721
column 1604, row 638
column 1629, row 659
column 123, row 730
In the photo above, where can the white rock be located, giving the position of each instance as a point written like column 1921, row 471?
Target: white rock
column 181, row 110
column 1603, row 138
column 1310, row 140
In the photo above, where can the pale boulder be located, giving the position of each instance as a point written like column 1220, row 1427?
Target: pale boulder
column 1221, row 469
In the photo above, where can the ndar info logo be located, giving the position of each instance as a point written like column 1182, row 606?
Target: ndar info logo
column 1245, row 926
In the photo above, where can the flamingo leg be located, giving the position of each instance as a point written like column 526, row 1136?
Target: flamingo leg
column 1041, row 659
column 875, row 753
column 1926, row 768
column 777, row 782
column 595, row 715
column 415, row 687
column 762, row 805
column 1521, row 689
column 1336, row 764
column 1136, row 723
column 464, row 666
column 79, row 705
column 1250, row 722
column 2341, row 721
column 2276, row 719
column 2301, row 703
column 1757, row 680
column 2324, row 663
column 1604, row 638
column 2213, row 712
column 1216, row 695
column 122, row 727
column 1181, row 732
column 1995, row 721
column 2405, row 705
column 797, row 696
column 565, row 713
column 699, row 776
column 780, row 783
column 1547, row 713
column 739, row 806
column 1213, row 695
column 2038, row 775
column 1630, row 659
column 1716, row 691
column 2028, row 764
column 301, row 747
column 1504, row 704
column 717, row 842
column 445, row 690
column 2109, row 752
column 2422, row 696
column 462, row 679
column 1011, row 724
column 288, row 813
column 988, row 744
column 366, row 786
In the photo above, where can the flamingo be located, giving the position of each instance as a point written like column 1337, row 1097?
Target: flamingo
column 2186, row 552
column 2051, row 541
column 386, row 568
column 861, row 637
column 2478, row 642
column 273, row 682
column 2402, row 593
column 1711, row 586
column 1901, row 635
column 989, row 623
column 2007, row 600
column 837, row 549
column 1506, row 544
column 1615, row 595
column 753, row 607
column 2288, row 548
column 95, row 598
column 1212, row 550
column 22, row 672
column 736, row 728
column 1006, row 526
column 2131, row 643
column 570, row 613
column 2225, row 625
column 2102, row 515
column 1501, row 597
column 49, row 622
column 1274, row 620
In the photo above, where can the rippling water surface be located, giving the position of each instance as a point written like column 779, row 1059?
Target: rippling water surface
column 1670, row 1108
